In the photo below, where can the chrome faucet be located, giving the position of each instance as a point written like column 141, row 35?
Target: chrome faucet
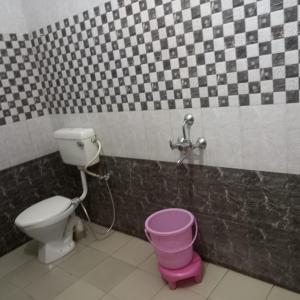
column 184, row 144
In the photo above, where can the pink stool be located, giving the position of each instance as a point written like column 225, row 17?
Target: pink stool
column 192, row 270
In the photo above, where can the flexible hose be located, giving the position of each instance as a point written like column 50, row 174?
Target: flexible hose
column 106, row 178
column 106, row 233
column 92, row 160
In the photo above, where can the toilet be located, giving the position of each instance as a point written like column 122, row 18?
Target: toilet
column 52, row 220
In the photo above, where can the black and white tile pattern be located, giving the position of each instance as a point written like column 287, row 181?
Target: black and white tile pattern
column 20, row 87
column 139, row 55
column 159, row 54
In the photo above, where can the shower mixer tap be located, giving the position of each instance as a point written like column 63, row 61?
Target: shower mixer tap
column 185, row 144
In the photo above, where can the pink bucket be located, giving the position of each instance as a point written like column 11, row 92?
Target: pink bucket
column 170, row 232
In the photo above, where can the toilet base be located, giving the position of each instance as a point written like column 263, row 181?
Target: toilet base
column 54, row 250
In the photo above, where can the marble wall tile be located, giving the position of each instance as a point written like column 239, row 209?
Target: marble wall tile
column 248, row 220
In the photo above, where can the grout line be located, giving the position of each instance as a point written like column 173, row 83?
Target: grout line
column 148, row 256
column 27, row 294
column 116, row 250
column 164, row 285
column 208, row 297
column 269, row 292
column 19, row 265
column 92, row 269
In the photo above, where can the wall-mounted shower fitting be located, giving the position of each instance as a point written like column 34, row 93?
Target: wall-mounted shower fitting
column 185, row 144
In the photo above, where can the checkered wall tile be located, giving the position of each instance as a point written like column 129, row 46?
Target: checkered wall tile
column 163, row 54
column 20, row 87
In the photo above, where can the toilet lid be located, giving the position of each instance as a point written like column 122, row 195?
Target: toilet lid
column 43, row 211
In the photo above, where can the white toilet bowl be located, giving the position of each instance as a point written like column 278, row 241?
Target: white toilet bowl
column 50, row 222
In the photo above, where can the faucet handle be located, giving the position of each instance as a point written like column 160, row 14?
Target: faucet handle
column 201, row 143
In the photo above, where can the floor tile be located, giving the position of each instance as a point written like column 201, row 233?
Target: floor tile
column 80, row 290
column 109, row 297
column 235, row 286
column 131, row 273
column 112, row 243
column 278, row 293
column 27, row 273
column 178, row 294
column 6, row 288
column 90, row 238
column 108, row 274
column 19, row 295
column 134, row 252
column 150, row 265
column 17, row 257
column 82, row 262
column 212, row 276
column 138, row 285
column 87, row 240
column 78, row 247
column 50, row 285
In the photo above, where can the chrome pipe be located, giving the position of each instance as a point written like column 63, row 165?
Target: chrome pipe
column 185, row 144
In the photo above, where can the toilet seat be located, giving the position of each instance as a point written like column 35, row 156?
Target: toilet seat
column 43, row 211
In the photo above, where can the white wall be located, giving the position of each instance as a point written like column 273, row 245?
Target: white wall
column 40, row 13
column 24, row 16
column 12, row 18
column 26, row 140
column 265, row 138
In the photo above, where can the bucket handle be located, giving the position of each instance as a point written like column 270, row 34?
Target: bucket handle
column 177, row 250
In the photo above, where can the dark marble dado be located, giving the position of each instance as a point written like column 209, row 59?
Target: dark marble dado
column 26, row 184
column 249, row 221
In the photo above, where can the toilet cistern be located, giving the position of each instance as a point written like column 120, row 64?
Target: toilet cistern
column 51, row 221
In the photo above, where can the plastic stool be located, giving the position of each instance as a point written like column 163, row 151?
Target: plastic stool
column 192, row 270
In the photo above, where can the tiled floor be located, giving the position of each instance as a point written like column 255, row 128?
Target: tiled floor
column 120, row 267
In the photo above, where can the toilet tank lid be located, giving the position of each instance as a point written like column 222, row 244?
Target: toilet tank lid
column 43, row 210
column 74, row 133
